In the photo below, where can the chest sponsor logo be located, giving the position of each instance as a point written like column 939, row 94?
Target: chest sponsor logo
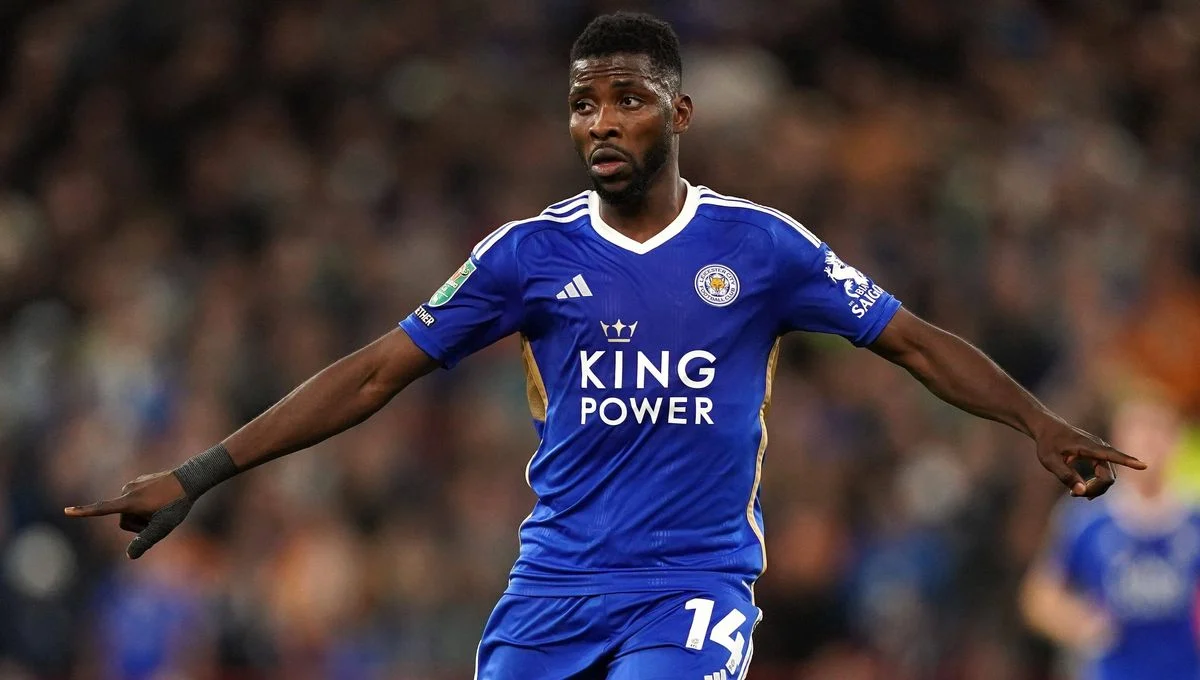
column 862, row 292
column 717, row 285
column 451, row 286
column 1147, row 586
column 687, row 377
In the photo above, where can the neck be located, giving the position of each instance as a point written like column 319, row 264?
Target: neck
column 662, row 203
column 1146, row 509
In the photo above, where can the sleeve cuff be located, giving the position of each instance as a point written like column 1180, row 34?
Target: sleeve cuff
column 425, row 342
column 884, row 312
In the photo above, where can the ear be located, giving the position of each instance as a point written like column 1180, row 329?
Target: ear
column 681, row 114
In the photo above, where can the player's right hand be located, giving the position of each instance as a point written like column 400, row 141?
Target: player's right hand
column 150, row 506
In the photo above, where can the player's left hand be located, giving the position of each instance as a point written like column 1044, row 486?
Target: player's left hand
column 1060, row 445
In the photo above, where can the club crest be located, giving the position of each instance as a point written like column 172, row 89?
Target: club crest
column 717, row 285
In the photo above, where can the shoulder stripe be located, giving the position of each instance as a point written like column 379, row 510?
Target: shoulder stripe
column 713, row 198
column 566, row 207
column 487, row 241
column 557, row 209
column 563, row 203
column 495, row 237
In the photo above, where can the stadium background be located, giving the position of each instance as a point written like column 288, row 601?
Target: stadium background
column 203, row 202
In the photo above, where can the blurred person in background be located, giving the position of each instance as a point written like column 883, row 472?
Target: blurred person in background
column 1117, row 584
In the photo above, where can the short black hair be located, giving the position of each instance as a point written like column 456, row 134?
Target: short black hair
column 634, row 33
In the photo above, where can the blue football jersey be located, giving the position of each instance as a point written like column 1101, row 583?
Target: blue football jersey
column 1144, row 579
column 649, row 370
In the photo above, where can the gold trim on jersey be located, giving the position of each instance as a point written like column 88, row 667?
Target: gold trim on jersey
column 535, row 389
column 772, row 361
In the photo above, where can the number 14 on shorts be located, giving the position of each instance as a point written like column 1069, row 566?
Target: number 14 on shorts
column 724, row 633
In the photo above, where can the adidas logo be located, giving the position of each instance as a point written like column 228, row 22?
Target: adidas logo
column 576, row 288
column 719, row 675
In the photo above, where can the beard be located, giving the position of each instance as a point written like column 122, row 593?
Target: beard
column 642, row 172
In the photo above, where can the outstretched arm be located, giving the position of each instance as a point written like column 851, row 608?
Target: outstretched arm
column 1052, row 609
column 339, row 397
column 961, row 375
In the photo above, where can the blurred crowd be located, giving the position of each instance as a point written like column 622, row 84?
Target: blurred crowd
column 203, row 202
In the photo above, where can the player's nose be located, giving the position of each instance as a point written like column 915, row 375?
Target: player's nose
column 606, row 124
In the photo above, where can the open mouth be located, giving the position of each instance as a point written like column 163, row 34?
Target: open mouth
column 608, row 162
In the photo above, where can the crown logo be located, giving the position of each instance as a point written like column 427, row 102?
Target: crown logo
column 618, row 331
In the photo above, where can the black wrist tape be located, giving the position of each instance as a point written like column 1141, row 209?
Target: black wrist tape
column 205, row 470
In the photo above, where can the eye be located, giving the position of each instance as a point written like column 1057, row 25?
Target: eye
column 582, row 106
column 631, row 101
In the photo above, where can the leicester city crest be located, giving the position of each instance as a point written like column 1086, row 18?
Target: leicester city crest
column 717, row 285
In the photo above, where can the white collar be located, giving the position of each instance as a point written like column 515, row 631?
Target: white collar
column 690, row 203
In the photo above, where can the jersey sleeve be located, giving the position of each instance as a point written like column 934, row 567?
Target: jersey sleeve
column 480, row 304
column 821, row 294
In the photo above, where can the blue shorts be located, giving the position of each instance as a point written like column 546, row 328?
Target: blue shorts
column 684, row 635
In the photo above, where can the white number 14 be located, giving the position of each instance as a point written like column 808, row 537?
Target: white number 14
column 724, row 633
